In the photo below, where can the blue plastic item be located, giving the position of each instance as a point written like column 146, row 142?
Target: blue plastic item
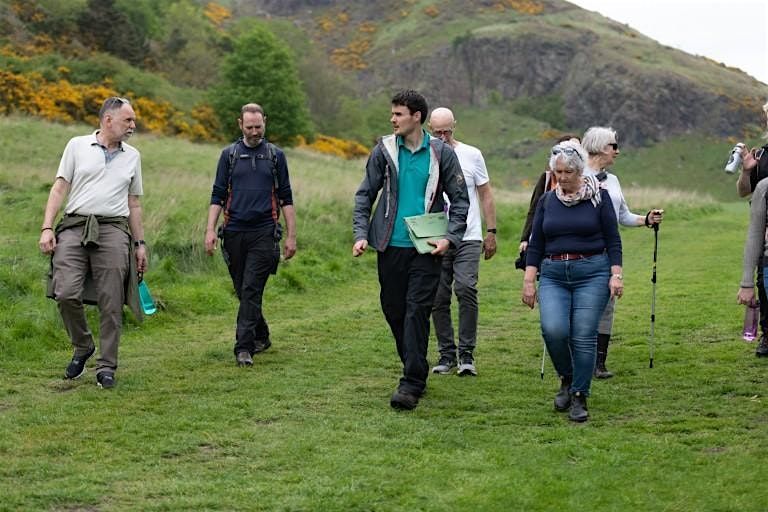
column 147, row 302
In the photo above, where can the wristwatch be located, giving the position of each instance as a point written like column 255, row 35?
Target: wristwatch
column 138, row 243
column 491, row 230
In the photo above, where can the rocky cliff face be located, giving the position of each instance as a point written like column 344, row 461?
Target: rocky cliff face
column 602, row 72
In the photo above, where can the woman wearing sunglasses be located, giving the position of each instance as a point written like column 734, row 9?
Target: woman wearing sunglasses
column 601, row 144
column 753, row 172
column 576, row 249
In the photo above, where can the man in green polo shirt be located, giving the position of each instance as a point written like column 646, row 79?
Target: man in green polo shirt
column 411, row 170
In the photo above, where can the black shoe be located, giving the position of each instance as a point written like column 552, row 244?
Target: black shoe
column 261, row 346
column 563, row 396
column 244, row 359
column 762, row 347
column 402, row 400
column 76, row 366
column 578, row 410
column 601, row 372
column 105, row 380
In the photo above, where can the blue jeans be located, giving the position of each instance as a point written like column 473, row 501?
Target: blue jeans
column 572, row 297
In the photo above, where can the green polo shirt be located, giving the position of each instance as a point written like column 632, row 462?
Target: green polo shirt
column 412, row 178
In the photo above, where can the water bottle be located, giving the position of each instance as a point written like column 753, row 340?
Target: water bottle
column 751, row 320
column 734, row 159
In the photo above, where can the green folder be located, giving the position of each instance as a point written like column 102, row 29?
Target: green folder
column 425, row 228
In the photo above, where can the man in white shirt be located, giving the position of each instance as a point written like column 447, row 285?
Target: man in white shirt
column 97, row 247
column 461, row 264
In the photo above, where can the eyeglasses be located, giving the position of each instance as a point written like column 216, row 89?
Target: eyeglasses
column 441, row 133
column 566, row 151
column 614, row 145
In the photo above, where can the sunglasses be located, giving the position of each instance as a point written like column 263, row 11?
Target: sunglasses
column 566, row 151
column 440, row 133
column 614, row 145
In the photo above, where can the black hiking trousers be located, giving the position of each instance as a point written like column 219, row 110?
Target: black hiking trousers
column 251, row 257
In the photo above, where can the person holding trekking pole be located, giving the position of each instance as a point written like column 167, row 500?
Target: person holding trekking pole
column 602, row 145
column 251, row 188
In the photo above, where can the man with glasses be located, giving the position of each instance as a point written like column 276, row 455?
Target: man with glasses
column 411, row 170
column 252, row 187
column 461, row 264
column 98, row 246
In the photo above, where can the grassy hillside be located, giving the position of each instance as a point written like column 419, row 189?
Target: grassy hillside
column 309, row 426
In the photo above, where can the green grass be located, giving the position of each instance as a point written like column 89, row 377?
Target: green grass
column 309, row 426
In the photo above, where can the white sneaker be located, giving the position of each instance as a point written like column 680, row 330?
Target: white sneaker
column 467, row 367
column 444, row 366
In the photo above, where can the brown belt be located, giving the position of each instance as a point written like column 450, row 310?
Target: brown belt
column 572, row 256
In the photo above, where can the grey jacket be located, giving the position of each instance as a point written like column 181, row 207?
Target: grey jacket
column 381, row 170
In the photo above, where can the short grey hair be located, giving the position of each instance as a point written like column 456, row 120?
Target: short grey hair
column 569, row 153
column 111, row 104
column 597, row 137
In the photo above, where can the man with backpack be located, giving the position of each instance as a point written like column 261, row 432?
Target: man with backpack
column 411, row 170
column 251, row 188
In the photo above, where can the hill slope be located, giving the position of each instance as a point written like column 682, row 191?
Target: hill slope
column 478, row 53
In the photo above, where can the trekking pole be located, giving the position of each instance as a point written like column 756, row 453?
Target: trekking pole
column 653, row 296
column 543, row 356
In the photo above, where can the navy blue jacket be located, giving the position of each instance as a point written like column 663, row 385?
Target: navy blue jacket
column 582, row 228
column 252, row 206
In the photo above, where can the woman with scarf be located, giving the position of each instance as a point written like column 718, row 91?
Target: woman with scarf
column 602, row 144
column 576, row 249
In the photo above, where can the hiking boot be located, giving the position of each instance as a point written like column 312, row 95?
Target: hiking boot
column 467, row 367
column 444, row 366
column 563, row 396
column 261, row 346
column 76, row 366
column 105, row 380
column 403, row 400
column 762, row 347
column 601, row 372
column 244, row 359
column 578, row 410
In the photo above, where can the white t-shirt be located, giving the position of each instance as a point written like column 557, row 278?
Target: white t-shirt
column 623, row 215
column 98, row 186
column 475, row 174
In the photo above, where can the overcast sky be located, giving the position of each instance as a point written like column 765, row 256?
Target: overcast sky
column 734, row 32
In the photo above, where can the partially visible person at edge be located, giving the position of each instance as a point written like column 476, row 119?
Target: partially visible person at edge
column 546, row 182
column 461, row 264
column 602, row 145
column 754, row 169
column 97, row 248
column 252, row 186
column 576, row 249
column 411, row 170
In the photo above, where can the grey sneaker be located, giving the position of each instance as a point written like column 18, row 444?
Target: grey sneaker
column 444, row 366
column 467, row 367
column 244, row 359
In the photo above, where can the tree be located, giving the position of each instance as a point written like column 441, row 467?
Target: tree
column 261, row 69
column 104, row 26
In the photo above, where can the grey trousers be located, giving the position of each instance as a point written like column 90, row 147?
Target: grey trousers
column 459, row 275
column 606, row 320
column 108, row 264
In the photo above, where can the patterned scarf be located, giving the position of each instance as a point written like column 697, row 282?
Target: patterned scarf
column 589, row 190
